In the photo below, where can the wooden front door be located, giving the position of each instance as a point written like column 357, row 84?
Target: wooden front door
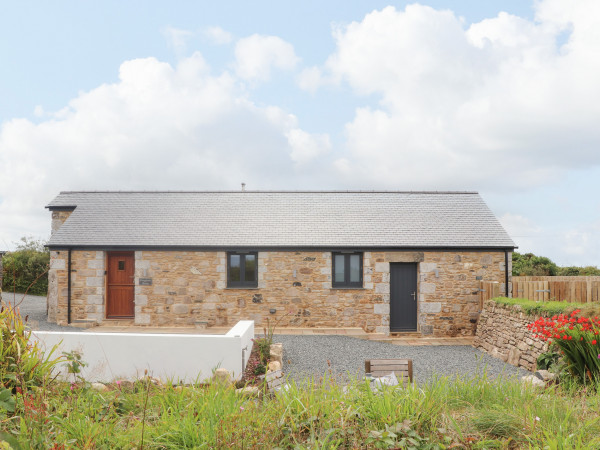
column 120, row 285
column 403, row 297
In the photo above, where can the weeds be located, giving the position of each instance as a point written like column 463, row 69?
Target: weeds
column 445, row 413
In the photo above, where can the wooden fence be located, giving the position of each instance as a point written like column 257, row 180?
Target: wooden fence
column 488, row 290
column 561, row 289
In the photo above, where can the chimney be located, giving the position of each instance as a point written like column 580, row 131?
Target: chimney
column 243, row 187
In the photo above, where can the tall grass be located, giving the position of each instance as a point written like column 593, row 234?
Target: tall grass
column 472, row 412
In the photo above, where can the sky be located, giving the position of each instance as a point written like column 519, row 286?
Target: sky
column 500, row 97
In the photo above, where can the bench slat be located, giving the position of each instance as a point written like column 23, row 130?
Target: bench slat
column 383, row 373
column 389, row 369
column 389, row 361
column 400, row 364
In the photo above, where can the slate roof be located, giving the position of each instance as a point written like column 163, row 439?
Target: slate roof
column 333, row 219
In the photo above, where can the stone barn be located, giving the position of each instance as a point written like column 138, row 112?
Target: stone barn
column 387, row 262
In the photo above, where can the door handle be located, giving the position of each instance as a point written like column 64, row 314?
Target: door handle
column 414, row 296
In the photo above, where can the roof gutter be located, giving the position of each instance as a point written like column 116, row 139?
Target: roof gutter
column 69, row 288
column 506, row 290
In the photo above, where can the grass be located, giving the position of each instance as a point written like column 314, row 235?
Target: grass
column 466, row 412
column 551, row 308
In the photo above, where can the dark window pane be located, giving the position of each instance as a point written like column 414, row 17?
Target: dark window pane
column 354, row 268
column 234, row 267
column 338, row 277
column 121, row 265
column 250, row 266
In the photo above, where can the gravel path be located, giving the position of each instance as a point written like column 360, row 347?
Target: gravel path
column 34, row 306
column 306, row 356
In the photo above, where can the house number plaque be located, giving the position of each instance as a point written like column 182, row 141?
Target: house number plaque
column 145, row 281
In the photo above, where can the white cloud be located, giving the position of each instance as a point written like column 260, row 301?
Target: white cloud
column 468, row 108
column 158, row 127
column 310, row 79
column 307, row 147
column 256, row 55
column 522, row 230
column 217, row 35
column 574, row 245
column 177, row 38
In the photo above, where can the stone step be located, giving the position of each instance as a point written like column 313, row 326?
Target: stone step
column 117, row 323
column 408, row 335
column 84, row 323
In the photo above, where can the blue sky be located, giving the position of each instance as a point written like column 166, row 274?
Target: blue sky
column 497, row 96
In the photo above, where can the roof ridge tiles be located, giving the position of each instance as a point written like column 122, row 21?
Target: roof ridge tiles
column 270, row 192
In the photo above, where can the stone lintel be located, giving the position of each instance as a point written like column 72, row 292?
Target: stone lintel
column 404, row 257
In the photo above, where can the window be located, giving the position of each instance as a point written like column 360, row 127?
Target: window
column 347, row 270
column 242, row 269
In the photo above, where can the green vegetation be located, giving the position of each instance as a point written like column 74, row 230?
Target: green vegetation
column 534, row 308
column 573, row 332
column 475, row 412
column 23, row 364
column 528, row 264
column 26, row 268
column 462, row 413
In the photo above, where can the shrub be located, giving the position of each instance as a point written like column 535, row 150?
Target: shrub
column 22, row 362
column 528, row 264
column 577, row 337
column 25, row 269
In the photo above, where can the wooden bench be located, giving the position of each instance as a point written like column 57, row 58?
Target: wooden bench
column 402, row 368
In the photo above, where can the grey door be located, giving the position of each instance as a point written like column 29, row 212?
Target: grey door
column 403, row 297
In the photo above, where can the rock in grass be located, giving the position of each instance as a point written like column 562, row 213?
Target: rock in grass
column 533, row 380
column 222, row 376
column 249, row 391
column 545, row 376
column 99, row 387
column 124, row 384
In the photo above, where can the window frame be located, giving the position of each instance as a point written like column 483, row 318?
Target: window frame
column 242, row 283
column 346, row 283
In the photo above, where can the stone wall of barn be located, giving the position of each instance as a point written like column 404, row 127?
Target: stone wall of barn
column 190, row 288
column 57, row 275
column 58, row 218
column 87, row 286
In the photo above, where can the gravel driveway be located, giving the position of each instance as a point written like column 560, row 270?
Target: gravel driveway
column 34, row 306
column 313, row 356
column 306, row 356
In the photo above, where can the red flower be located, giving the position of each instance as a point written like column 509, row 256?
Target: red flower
column 594, row 342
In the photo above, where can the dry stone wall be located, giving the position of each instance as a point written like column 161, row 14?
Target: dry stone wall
column 502, row 332
column 190, row 288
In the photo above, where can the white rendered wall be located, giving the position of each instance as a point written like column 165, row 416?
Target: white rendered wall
column 177, row 357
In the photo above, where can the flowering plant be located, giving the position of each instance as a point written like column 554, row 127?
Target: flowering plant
column 577, row 337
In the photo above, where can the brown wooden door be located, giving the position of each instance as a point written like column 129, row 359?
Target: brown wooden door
column 120, row 285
